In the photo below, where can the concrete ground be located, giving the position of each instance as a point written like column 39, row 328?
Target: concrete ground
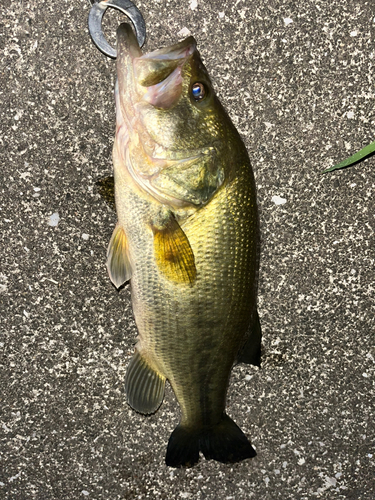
column 298, row 81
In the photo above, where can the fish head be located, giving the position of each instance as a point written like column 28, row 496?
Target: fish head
column 173, row 135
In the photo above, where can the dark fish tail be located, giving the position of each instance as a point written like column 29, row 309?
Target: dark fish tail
column 224, row 442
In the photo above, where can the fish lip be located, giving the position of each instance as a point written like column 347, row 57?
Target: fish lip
column 125, row 36
column 181, row 50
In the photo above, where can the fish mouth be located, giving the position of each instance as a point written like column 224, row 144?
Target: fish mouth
column 155, row 77
column 154, row 67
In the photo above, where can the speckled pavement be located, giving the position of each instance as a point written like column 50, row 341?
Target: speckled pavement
column 298, row 81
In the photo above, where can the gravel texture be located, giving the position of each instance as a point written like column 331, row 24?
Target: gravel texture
column 298, row 81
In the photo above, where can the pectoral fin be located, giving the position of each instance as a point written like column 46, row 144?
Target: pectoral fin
column 144, row 386
column 173, row 253
column 118, row 263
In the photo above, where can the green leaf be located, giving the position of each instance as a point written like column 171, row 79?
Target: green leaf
column 353, row 159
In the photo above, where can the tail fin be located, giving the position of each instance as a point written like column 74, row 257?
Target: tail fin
column 224, row 442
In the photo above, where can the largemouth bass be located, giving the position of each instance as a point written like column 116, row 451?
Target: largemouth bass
column 186, row 238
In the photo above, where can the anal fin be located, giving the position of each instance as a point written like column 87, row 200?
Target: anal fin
column 144, row 386
column 173, row 253
column 118, row 263
column 250, row 352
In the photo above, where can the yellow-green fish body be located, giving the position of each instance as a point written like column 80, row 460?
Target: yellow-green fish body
column 186, row 238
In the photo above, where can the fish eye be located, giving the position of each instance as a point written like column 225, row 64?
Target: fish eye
column 198, row 91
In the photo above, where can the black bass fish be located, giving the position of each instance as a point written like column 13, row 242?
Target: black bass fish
column 187, row 239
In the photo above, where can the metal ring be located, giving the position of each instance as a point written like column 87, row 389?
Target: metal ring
column 95, row 23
